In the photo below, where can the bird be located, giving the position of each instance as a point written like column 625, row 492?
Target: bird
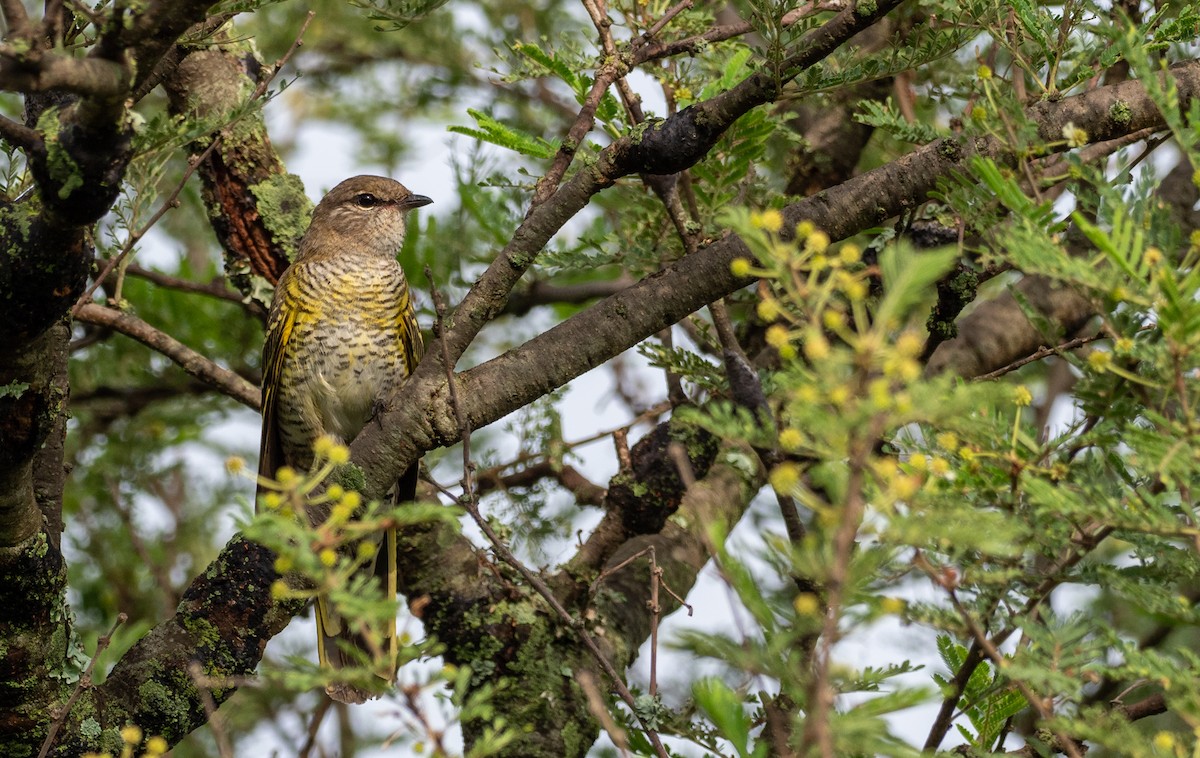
column 341, row 336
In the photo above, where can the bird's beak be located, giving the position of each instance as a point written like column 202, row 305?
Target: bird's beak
column 414, row 201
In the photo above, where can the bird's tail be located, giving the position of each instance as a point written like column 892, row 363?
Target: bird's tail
column 339, row 646
column 337, row 642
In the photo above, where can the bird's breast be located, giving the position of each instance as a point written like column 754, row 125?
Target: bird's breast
column 346, row 353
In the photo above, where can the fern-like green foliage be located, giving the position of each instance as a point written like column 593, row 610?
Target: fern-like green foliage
column 491, row 130
column 394, row 15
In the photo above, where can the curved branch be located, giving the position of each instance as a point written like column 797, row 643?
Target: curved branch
column 189, row 360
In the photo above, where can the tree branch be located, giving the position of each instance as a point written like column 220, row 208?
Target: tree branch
column 219, row 377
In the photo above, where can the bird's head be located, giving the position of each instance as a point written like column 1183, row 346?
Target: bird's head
column 364, row 213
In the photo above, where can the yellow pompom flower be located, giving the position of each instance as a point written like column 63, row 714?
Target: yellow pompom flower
column 790, row 439
column 768, row 309
column 131, row 734
column 328, row 557
column 1099, row 360
column 785, row 477
column 817, row 242
column 816, row 347
column 339, row 455
column 807, row 604
column 740, row 267
column 770, row 220
column 156, row 746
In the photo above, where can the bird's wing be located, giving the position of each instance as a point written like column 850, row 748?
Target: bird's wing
column 410, row 332
column 279, row 331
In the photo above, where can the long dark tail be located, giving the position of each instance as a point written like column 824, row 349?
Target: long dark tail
column 335, row 640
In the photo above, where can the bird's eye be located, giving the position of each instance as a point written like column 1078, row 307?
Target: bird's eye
column 366, row 200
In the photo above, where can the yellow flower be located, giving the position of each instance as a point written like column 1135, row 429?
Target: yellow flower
column 983, row 72
column 817, row 242
column 1153, row 256
column 785, row 477
column 816, row 347
column 285, row 475
column 1099, row 360
column 131, row 734
column 1123, row 345
column 910, row 344
column 272, row 501
column 839, row 395
column 918, row 461
column 323, row 445
column 1164, row 741
column 805, row 228
column 328, row 557
column 777, row 336
column 892, row 605
column 939, row 466
column 768, row 309
column 904, row 487
column 366, row 550
column 790, row 439
column 771, row 220
column 850, row 254
column 855, row 290
column 740, row 267
column 947, row 441
column 807, row 604
column 1022, row 396
column 339, row 455
column 833, row 320
column 335, row 491
column 1074, row 136
column 283, row 564
column 352, row 500
column 235, row 464
column 156, row 746
column 279, row 589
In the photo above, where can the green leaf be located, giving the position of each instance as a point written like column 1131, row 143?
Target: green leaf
column 491, row 130
column 725, row 708
column 908, row 278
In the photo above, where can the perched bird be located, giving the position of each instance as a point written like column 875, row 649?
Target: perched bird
column 341, row 335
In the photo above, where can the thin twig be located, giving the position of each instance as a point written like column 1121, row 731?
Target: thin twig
column 596, row 706
column 85, row 680
column 224, row 748
column 502, row 551
column 314, row 726
column 186, row 358
column 659, row 25
column 1042, row 352
column 724, row 32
